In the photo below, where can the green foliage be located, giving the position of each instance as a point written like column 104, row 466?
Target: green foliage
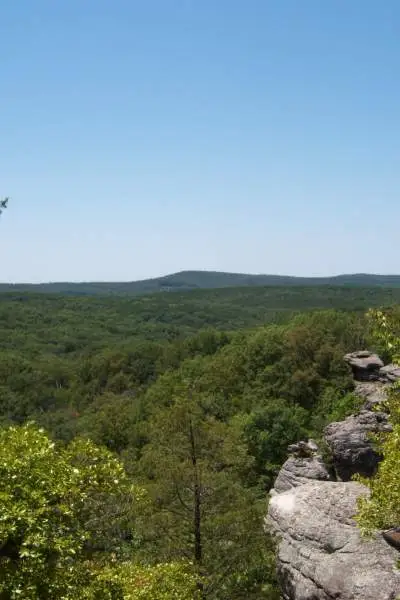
column 56, row 505
column 267, row 432
column 65, row 516
column 63, row 325
column 3, row 204
column 115, row 421
column 193, row 467
column 335, row 406
column 382, row 509
column 200, row 418
column 386, row 331
column 172, row 581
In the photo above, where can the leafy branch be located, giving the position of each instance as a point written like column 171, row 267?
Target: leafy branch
column 3, row 204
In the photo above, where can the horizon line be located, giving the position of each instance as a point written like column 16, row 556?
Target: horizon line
column 200, row 271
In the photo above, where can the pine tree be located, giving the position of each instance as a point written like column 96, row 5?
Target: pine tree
column 202, row 512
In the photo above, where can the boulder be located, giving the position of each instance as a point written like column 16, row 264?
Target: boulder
column 390, row 373
column 321, row 555
column 351, row 445
column 299, row 470
column 365, row 365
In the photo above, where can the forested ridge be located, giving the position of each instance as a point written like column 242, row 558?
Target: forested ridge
column 194, row 280
column 166, row 419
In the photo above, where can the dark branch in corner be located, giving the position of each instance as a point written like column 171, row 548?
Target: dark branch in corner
column 3, row 204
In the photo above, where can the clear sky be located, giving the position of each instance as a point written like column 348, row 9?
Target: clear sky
column 142, row 137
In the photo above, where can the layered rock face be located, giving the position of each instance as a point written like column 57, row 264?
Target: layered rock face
column 304, row 465
column 352, row 449
column 321, row 555
column 367, row 366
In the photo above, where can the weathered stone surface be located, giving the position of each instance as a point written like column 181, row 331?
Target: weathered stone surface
column 351, row 446
column 390, row 373
column 373, row 392
column 321, row 555
column 297, row 471
column 303, row 448
column 365, row 365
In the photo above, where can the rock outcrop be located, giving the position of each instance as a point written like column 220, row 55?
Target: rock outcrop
column 390, row 373
column 365, row 365
column 372, row 392
column 321, row 555
column 304, row 465
column 351, row 445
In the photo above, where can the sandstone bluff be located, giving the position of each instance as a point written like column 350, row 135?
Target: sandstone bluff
column 321, row 555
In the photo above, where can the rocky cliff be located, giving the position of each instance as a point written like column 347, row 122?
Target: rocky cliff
column 321, row 555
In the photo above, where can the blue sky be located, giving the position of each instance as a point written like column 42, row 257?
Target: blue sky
column 141, row 137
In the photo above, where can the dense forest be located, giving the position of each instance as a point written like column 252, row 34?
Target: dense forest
column 192, row 400
column 194, row 280
column 62, row 324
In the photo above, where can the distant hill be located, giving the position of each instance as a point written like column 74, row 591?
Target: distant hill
column 192, row 280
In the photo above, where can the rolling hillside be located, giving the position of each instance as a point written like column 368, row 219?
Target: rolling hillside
column 191, row 280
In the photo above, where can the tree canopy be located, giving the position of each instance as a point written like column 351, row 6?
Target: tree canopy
column 160, row 426
column 66, row 515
